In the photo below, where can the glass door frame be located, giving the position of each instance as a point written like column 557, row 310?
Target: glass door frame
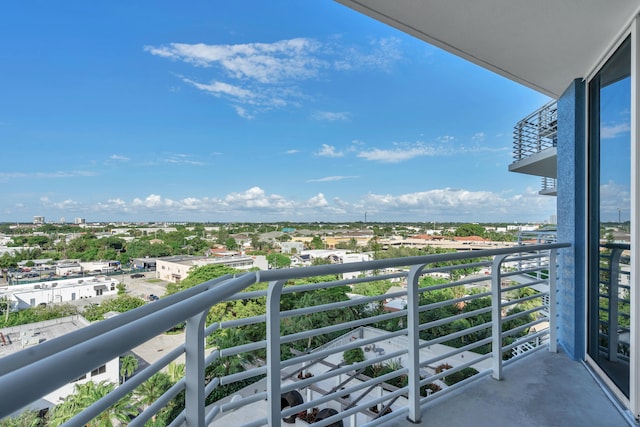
column 632, row 403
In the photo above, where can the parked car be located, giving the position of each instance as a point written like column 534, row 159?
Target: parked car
column 137, row 275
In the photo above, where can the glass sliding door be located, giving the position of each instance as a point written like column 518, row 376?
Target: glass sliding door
column 609, row 206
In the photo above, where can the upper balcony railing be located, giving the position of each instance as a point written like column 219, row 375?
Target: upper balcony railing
column 454, row 325
column 536, row 132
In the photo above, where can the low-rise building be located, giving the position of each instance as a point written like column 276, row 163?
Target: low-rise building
column 14, row 339
column 176, row 268
column 29, row 295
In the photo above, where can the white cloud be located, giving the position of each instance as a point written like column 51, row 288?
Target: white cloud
column 256, row 204
column 317, row 201
column 331, row 116
column 263, row 62
column 293, row 151
column 401, row 153
column 263, row 76
column 614, row 196
column 256, row 197
column 221, row 88
column 478, row 137
column 459, row 204
column 182, row 159
column 119, row 158
column 67, row 204
column 332, row 178
column 153, row 201
column 446, row 139
column 329, row 151
column 242, row 112
column 612, row 130
column 382, row 53
column 8, row 176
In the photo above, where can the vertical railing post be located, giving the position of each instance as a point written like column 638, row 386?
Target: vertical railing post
column 194, row 370
column 614, row 280
column 413, row 332
column 553, row 298
column 273, row 353
column 496, row 316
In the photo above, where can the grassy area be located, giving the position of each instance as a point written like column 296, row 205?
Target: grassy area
column 154, row 280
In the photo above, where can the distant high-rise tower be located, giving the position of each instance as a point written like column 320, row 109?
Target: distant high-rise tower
column 38, row 220
column 79, row 220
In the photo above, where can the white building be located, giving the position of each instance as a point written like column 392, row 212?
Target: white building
column 17, row 338
column 291, row 247
column 355, row 257
column 174, row 269
column 43, row 293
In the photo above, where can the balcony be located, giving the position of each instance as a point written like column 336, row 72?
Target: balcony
column 493, row 318
column 534, row 146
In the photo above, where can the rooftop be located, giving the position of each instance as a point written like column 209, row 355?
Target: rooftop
column 16, row 338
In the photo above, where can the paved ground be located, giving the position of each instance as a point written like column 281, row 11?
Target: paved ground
column 543, row 390
column 142, row 287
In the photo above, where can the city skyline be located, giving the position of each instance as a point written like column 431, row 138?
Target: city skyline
column 285, row 111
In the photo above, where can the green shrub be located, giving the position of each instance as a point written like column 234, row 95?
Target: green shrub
column 456, row 377
column 353, row 355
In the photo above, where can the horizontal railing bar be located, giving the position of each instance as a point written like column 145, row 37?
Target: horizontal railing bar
column 453, row 370
column 155, row 407
column 363, row 385
column 256, row 397
column 333, row 350
column 525, row 339
column 212, row 385
column 14, row 361
column 321, row 270
column 342, row 326
column 468, row 347
column 522, row 328
column 454, row 301
column 455, row 335
column 341, row 370
column 450, row 319
column 525, row 299
column 104, row 346
column 250, row 373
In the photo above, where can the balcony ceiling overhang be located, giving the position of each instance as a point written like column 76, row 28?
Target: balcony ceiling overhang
column 542, row 44
column 544, row 164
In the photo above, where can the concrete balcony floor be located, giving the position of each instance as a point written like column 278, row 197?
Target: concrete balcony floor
column 543, row 390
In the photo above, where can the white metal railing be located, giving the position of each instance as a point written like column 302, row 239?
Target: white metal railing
column 536, row 132
column 614, row 301
column 409, row 352
column 548, row 184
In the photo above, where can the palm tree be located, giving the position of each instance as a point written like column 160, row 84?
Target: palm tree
column 151, row 390
column 85, row 395
column 175, row 371
column 128, row 365
column 228, row 365
column 25, row 419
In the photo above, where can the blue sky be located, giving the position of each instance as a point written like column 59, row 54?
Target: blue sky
column 249, row 111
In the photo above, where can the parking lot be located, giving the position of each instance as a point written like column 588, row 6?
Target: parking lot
column 141, row 287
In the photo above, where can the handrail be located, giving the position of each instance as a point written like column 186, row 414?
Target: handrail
column 105, row 340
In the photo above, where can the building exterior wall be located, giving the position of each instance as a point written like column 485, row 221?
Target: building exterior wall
column 287, row 247
column 176, row 269
column 31, row 295
column 571, row 202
